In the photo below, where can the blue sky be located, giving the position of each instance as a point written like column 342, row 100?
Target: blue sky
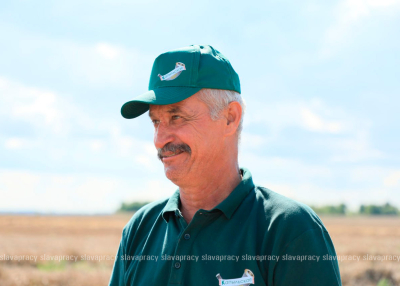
column 321, row 83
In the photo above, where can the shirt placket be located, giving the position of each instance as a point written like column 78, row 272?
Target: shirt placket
column 185, row 242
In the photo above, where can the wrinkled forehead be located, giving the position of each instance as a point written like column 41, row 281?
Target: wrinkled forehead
column 189, row 106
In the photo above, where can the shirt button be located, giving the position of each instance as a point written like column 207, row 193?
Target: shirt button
column 177, row 265
column 187, row 236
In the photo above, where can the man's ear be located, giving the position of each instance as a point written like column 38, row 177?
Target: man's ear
column 233, row 116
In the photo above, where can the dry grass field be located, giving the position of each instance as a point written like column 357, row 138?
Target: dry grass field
column 98, row 238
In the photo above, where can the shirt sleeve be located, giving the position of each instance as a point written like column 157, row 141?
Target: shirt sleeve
column 308, row 260
column 118, row 273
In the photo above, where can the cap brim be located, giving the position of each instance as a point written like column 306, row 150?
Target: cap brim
column 159, row 96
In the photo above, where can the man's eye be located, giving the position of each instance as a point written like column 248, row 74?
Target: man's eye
column 174, row 117
column 155, row 122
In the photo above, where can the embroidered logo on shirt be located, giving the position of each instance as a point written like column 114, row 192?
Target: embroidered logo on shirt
column 179, row 67
column 245, row 280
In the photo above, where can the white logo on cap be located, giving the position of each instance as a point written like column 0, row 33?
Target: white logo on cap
column 179, row 67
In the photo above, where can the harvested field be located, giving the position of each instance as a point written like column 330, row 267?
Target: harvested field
column 86, row 244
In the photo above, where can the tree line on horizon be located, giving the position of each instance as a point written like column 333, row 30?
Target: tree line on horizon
column 385, row 209
column 341, row 209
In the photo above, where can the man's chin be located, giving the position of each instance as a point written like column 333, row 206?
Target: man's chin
column 174, row 174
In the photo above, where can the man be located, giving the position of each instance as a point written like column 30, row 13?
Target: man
column 218, row 228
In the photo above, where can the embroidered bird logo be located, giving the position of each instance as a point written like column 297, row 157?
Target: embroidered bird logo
column 179, row 67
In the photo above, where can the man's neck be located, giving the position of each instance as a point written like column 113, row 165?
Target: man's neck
column 216, row 188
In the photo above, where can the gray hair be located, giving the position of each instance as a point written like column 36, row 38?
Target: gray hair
column 218, row 99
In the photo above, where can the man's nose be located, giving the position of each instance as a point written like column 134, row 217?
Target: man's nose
column 162, row 136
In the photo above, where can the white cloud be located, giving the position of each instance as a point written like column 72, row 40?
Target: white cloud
column 392, row 180
column 382, row 3
column 343, row 137
column 141, row 151
column 108, row 51
column 313, row 116
column 313, row 122
column 249, row 140
column 45, row 112
column 23, row 190
column 74, row 193
column 354, row 148
column 97, row 145
column 39, row 103
column 145, row 161
column 49, row 118
column 51, row 125
column 348, row 15
column 101, row 64
column 35, row 106
column 14, row 143
column 276, row 169
column 10, row 181
column 91, row 64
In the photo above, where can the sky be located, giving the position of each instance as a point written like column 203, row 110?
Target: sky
column 320, row 80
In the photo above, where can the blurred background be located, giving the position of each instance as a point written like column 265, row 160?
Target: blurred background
column 321, row 83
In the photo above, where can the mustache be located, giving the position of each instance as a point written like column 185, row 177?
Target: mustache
column 170, row 147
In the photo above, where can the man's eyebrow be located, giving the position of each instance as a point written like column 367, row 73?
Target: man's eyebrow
column 174, row 109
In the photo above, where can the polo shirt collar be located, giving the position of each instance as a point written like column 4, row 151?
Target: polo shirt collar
column 172, row 206
column 227, row 206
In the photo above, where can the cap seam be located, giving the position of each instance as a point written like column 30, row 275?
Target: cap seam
column 228, row 65
column 229, row 69
column 191, row 70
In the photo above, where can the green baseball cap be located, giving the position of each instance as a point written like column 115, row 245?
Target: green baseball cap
column 178, row 74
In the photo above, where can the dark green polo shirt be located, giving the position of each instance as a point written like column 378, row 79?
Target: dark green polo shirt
column 254, row 237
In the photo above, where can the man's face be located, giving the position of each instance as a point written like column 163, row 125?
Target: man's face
column 188, row 141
